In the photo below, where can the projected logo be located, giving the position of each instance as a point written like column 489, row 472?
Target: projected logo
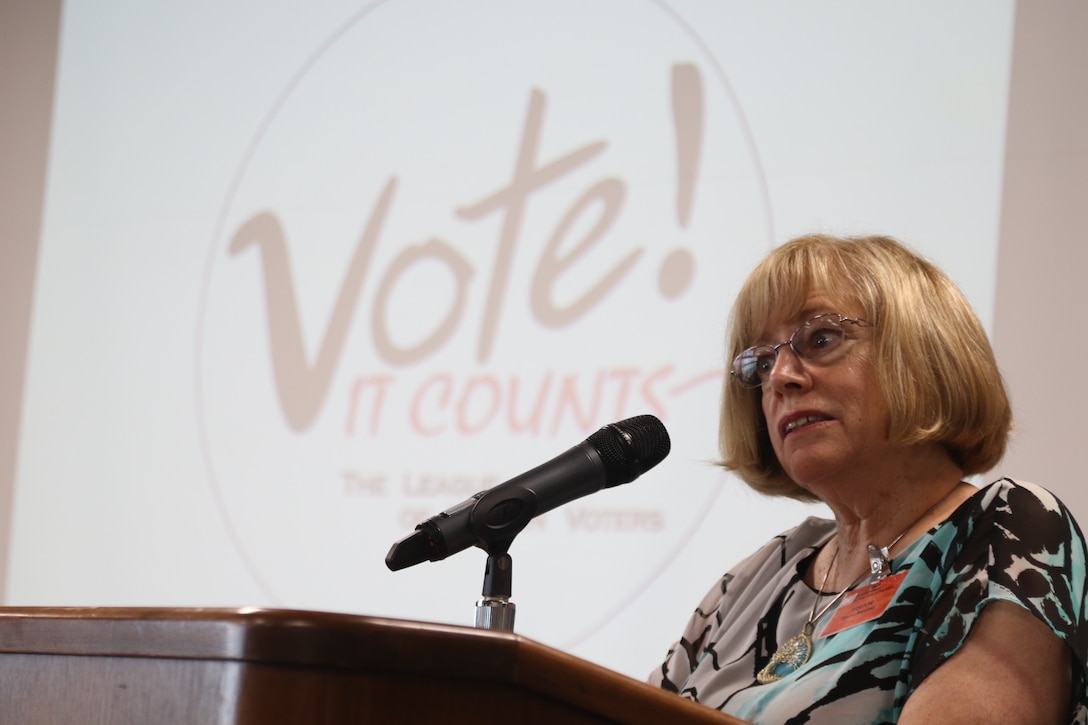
column 466, row 236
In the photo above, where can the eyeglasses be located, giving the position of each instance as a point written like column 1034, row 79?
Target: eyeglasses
column 811, row 341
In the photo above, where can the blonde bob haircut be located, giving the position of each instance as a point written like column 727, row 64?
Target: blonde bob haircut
column 932, row 359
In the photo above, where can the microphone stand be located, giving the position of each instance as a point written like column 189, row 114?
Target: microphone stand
column 496, row 518
column 494, row 610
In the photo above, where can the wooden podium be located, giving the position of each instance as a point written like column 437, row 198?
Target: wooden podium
column 271, row 666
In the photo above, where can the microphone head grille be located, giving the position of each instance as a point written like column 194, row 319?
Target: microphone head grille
column 630, row 447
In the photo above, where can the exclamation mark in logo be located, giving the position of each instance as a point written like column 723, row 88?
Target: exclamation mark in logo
column 678, row 269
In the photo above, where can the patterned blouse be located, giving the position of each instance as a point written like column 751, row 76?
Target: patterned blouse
column 1009, row 542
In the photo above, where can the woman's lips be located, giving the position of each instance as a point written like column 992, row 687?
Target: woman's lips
column 794, row 422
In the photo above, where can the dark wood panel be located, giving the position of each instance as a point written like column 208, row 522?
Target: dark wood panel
column 250, row 666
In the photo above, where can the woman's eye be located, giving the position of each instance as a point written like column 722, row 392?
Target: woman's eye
column 823, row 339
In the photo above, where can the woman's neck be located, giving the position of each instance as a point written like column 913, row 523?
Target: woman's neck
column 891, row 509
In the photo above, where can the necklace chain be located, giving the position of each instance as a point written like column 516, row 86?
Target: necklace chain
column 886, row 550
column 795, row 652
column 813, row 617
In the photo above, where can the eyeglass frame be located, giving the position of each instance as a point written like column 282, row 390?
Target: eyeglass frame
column 733, row 371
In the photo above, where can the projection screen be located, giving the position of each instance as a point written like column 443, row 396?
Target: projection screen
column 284, row 280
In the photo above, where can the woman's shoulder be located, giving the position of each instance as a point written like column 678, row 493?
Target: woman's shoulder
column 1005, row 486
column 784, row 551
column 812, row 532
column 1022, row 525
column 1022, row 500
column 769, row 565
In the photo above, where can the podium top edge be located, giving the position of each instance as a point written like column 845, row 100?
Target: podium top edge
column 254, row 636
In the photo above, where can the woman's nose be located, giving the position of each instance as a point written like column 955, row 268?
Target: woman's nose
column 788, row 369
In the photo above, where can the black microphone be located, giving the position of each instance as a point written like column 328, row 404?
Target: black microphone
column 617, row 453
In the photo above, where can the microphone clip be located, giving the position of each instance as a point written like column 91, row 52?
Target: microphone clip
column 500, row 515
column 496, row 518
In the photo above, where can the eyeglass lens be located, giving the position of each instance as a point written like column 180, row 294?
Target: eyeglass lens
column 812, row 340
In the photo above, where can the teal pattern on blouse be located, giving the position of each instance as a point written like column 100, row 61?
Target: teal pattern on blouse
column 1011, row 541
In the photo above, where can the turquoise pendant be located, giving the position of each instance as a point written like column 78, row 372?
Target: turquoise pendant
column 789, row 658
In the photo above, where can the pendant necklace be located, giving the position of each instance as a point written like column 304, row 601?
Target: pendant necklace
column 795, row 652
column 792, row 655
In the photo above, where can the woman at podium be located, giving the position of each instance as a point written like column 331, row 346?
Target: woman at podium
column 862, row 379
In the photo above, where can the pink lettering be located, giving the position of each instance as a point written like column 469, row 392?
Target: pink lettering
column 469, row 405
column 380, row 385
column 444, row 383
column 442, row 404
